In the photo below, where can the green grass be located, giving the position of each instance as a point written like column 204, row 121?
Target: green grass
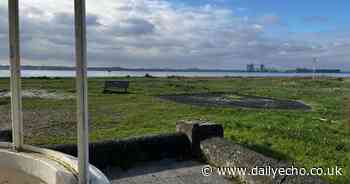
column 318, row 138
column 233, row 97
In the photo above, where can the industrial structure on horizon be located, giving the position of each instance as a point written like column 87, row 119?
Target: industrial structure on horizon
column 259, row 68
column 263, row 68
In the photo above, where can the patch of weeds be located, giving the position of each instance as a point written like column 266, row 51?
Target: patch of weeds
column 233, row 97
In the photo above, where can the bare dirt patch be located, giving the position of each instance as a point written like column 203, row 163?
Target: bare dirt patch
column 37, row 122
column 39, row 93
column 43, row 122
column 236, row 100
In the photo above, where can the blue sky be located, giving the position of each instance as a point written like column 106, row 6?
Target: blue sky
column 224, row 34
column 298, row 15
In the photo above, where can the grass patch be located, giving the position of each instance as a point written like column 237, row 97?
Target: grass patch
column 317, row 138
column 233, row 97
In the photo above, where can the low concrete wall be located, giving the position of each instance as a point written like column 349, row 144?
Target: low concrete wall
column 222, row 153
column 124, row 153
column 34, row 168
column 50, row 166
column 214, row 149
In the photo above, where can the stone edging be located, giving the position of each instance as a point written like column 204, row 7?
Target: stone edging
column 223, row 153
column 218, row 152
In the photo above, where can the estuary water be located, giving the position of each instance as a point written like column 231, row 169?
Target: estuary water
column 52, row 73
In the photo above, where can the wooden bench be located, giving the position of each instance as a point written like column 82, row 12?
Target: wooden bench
column 110, row 86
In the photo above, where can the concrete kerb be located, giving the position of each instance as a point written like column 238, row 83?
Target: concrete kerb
column 50, row 166
column 208, row 143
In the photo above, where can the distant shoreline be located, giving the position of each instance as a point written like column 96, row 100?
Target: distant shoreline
column 119, row 69
column 71, row 73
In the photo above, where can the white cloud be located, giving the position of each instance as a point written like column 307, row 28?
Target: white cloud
column 156, row 33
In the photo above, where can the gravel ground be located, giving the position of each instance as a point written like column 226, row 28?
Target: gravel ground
column 42, row 122
column 39, row 122
column 39, row 93
column 165, row 171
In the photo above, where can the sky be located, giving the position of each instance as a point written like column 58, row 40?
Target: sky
column 207, row 34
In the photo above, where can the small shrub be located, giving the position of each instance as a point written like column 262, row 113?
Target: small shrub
column 147, row 75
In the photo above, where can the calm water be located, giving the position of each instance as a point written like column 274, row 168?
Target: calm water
column 36, row 73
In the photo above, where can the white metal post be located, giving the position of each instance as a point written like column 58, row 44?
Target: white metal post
column 82, row 95
column 15, row 66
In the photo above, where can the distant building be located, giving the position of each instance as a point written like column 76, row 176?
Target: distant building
column 262, row 68
column 250, row 68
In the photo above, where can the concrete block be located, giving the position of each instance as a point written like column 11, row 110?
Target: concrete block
column 223, row 153
column 197, row 131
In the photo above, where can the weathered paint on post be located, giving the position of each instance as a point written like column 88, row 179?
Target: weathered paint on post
column 82, row 95
column 15, row 67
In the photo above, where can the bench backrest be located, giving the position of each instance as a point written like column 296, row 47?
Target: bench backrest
column 117, row 84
